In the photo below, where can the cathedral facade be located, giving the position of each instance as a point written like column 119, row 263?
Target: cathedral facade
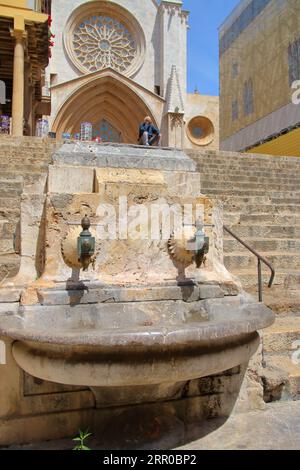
column 114, row 62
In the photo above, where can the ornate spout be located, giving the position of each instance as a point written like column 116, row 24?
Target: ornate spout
column 85, row 244
column 192, row 248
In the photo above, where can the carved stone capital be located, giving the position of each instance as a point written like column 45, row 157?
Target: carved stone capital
column 176, row 119
column 18, row 34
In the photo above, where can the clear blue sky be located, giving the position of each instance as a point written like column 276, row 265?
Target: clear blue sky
column 203, row 56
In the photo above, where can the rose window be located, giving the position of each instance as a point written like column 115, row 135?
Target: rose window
column 101, row 41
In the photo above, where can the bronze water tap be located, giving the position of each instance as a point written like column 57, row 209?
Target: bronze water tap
column 85, row 244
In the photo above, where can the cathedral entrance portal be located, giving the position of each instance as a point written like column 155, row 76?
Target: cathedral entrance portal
column 107, row 132
column 113, row 108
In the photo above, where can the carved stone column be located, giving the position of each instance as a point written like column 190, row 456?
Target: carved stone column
column 176, row 130
column 28, row 99
column 18, row 83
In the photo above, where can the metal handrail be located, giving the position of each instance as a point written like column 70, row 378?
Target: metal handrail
column 260, row 259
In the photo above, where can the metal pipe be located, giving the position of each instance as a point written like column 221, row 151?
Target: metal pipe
column 260, row 287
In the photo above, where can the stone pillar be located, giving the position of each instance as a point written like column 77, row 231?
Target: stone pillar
column 28, row 99
column 173, row 30
column 18, row 83
column 176, row 130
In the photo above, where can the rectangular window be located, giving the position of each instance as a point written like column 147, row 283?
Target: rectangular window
column 248, row 98
column 44, row 6
column 294, row 61
column 235, row 70
column 235, row 110
column 157, row 89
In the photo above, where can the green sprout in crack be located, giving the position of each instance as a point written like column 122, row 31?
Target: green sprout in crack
column 81, row 439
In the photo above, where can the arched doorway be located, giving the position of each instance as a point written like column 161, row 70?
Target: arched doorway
column 109, row 104
column 108, row 132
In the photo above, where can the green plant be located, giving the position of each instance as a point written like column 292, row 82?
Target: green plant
column 83, row 436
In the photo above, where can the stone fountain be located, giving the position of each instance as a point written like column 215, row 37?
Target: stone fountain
column 156, row 330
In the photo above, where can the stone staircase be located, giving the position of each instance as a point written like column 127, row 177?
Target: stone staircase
column 22, row 162
column 261, row 201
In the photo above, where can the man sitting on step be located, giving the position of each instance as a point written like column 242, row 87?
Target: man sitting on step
column 148, row 133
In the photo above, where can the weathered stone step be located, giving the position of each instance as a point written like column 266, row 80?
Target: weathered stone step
column 237, row 168
column 9, row 265
column 11, row 176
column 6, row 246
column 283, row 196
column 281, row 378
column 24, row 140
column 284, row 301
column 246, row 184
column 237, row 172
column 254, row 164
column 22, row 160
column 253, row 199
column 287, row 182
column 252, row 190
column 214, row 182
column 9, row 214
column 7, row 229
column 267, row 222
column 236, row 158
column 20, row 157
column 11, row 192
column 28, row 142
column 267, row 204
column 226, row 175
column 238, row 260
column 212, row 155
column 293, row 281
column 273, row 205
column 282, row 209
column 266, row 231
column 282, row 336
column 15, row 150
column 9, row 151
column 230, row 192
column 263, row 244
column 9, row 183
column 10, row 203
column 284, row 279
column 248, row 277
column 18, row 171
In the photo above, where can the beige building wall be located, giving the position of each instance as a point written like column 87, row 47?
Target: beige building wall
column 207, row 109
column 260, row 53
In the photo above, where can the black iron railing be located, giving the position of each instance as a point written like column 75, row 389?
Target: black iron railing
column 260, row 260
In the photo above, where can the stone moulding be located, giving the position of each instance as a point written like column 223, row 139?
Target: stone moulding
column 130, row 344
column 124, row 156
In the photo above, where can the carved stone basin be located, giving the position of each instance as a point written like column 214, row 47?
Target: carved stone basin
column 135, row 343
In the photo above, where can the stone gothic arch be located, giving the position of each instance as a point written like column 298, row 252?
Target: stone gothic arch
column 105, row 97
